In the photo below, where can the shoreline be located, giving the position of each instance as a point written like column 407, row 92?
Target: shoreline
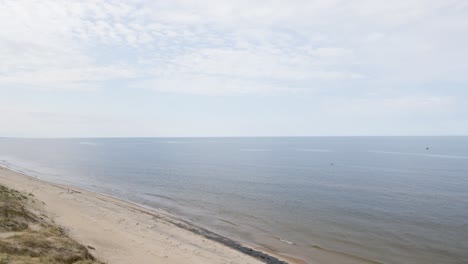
column 223, row 245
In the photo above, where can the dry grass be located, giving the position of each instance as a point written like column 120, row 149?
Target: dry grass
column 45, row 243
column 13, row 214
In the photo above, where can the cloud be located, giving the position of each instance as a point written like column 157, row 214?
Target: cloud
column 78, row 78
column 230, row 71
column 260, row 64
column 209, row 85
column 392, row 106
column 225, row 47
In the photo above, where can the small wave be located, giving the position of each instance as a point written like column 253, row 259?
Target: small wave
column 175, row 142
column 442, row 156
column 255, row 150
column 284, row 240
column 87, row 143
column 160, row 196
column 314, row 150
column 226, row 221
column 360, row 259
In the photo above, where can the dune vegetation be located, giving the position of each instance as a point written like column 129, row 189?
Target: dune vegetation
column 26, row 236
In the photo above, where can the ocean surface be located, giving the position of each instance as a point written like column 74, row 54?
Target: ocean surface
column 381, row 199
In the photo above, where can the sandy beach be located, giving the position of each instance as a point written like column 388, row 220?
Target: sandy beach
column 119, row 232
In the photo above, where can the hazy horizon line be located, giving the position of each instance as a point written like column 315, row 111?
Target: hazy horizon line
column 262, row 136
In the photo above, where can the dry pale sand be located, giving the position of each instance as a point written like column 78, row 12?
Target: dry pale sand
column 119, row 231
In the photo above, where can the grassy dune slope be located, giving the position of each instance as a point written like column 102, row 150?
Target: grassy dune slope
column 28, row 237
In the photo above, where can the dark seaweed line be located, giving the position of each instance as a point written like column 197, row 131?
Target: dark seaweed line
column 227, row 242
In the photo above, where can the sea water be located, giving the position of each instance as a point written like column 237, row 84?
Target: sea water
column 368, row 199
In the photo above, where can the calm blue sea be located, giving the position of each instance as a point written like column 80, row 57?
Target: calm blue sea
column 383, row 199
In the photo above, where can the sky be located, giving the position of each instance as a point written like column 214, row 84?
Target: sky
column 233, row 68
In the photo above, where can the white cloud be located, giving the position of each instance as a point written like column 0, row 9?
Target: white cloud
column 202, row 85
column 350, row 66
column 267, row 64
column 60, row 44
